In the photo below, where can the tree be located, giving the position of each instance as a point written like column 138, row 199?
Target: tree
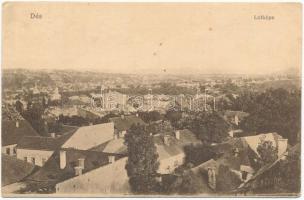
column 33, row 115
column 19, row 106
column 44, row 102
column 189, row 183
column 216, row 128
column 186, row 182
column 268, row 153
column 209, row 127
column 226, row 179
column 142, row 164
column 173, row 116
column 290, row 172
column 246, row 101
column 150, row 116
column 198, row 154
column 54, row 127
column 276, row 110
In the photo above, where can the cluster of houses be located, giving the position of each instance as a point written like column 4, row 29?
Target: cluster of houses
column 91, row 159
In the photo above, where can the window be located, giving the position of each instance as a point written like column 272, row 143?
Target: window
column 8, row 151
column 14, row 150
column 25, row 159
column 33, row 160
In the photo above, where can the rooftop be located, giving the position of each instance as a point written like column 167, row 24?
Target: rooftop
column 50, row 173
column 14, row 170
column 125, row 122
column 11, row 134
column 93, row 136
column 43, row 143
column 175, row 146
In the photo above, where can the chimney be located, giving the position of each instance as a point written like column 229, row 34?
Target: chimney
column 177, row 135
column 166, row 140
column 159, row 179
column 236, row 120
column 111, row 159
column 284, row 156
column 136, row 114
column 17, row 124
column 230, row 133
column 151, row 134
column 62, row 159
column 236, row 152
column 81, row 163
column 53, row 135
column 122, row 116
column 211, row 178
column 78, row 170
column 282, row 146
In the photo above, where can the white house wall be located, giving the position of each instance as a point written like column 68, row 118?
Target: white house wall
column 39, row 155
column 168, row 165
column 11, row 149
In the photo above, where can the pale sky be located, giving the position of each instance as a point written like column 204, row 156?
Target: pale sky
column 147, row 38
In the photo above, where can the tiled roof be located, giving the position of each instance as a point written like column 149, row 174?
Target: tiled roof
column 205, row 165
column 87, row 137
column 176, row 146
column 247, row 147
column 51, row 173
column 111, row 179
column 43, row 143
column 14, row 170
column 12, row 134
column 37, row 143
column 123, row 124
column 115, row 146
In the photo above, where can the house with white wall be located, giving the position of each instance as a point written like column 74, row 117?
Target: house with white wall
column 12, row 132
column 37, row 149
column 240, row 155
column 170, row 148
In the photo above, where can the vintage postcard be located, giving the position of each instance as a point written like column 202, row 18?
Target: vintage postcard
column 151, row 99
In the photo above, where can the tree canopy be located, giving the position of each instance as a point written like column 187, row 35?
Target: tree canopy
column 272, row 111
column 226, row 179
column 268, row 153
column 209, row 127
column 142, row 162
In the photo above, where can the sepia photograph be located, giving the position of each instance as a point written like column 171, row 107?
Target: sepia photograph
column 151, row 99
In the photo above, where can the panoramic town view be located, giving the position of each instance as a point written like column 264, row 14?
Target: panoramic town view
column 69, row 132
column 151, row 100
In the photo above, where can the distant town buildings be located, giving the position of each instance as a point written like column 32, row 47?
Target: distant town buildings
column 83, row 149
